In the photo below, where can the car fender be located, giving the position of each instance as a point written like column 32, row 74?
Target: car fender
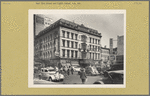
column 61, row 76
column 52, row 76
column 99, row 82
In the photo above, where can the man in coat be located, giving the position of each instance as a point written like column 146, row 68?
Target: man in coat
column 83, row 75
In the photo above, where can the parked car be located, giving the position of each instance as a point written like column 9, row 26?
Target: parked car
column 51, row 75
column 76, row 68
column 92, row 71
column 113, row 77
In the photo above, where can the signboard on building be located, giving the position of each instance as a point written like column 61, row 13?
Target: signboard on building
column 112, row 57
column 56, row 53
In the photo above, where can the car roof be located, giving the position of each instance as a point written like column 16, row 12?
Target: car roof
column 48, row 68
column 117, row 71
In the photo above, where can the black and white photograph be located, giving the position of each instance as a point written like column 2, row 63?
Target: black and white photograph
column 77, row 48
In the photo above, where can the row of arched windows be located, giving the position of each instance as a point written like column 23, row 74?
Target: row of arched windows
column 47, row 38
column 47, row 46
column 47, row 55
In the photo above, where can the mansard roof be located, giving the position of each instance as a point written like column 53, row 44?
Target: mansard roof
column 70, row 25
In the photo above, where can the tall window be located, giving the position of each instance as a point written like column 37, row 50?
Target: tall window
column 98, row 41
column 90, row 40
column 93, row 40
column 90, row 55
column 72, row 44
column 72, row 53
column 76, row 44
column 95, row 48
column 67, row 34
column 68, row 43
column 90, row 47
column 71, row 35
column 93, row 55
column 63, row 43
column 68, row 53
column 63, row 33
column 76, row 36
column 76, row 54
column 48, row 38
column 98, row 56
column 63, row 52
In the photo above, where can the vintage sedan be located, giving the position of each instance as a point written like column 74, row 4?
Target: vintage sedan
column 76, row 68
column 51, row 75
column 91, row 71
column 113, row 77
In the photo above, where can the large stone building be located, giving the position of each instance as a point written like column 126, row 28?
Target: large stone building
column 68, row 43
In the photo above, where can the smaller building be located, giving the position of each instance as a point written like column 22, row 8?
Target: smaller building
column 40, row 23
column 105, row 54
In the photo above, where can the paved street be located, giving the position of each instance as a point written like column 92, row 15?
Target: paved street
column 71, row 79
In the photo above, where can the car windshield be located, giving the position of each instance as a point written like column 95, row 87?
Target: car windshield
column 117, row 67
column 116, row 76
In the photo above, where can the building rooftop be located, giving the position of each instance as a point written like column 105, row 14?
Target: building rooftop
column 105, row 48
column 70, row 25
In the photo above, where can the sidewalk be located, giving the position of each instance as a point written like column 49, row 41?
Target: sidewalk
column 37, row 81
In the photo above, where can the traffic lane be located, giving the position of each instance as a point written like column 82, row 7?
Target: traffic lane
column 75, row 79
column 38, row 81
column 71, row 79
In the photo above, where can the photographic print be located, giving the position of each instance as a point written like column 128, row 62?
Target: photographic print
column 77, row 48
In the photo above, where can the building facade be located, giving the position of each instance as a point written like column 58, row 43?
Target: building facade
column 68, row 43
column 105, row 54
column 40, row 23
column 120, row 45
column 117, row 54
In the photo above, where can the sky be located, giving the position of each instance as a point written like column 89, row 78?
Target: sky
column 109, row 25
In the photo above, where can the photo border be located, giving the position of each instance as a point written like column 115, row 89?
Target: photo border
column 31, row 12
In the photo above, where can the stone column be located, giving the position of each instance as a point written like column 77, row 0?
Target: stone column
column 65, row 53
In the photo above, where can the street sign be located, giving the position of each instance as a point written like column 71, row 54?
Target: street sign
column 112, row 57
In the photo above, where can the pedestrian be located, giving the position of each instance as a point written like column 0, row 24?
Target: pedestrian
column 40, row 75
column 56, row 68
column 72, row 70
column 65, row 70
column 61, row 70
column 83, row 75
column 68, row 71
column 57, row 75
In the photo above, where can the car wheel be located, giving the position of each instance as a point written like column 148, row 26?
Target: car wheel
column 50, row 79
column 61, row 80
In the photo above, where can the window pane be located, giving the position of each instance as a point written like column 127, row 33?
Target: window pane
column 67, row 34
column 72, row 35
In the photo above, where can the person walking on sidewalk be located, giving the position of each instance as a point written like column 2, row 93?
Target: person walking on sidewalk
column 68, row 71
column 40, row 75
column 72, row 70
column 83, row 76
